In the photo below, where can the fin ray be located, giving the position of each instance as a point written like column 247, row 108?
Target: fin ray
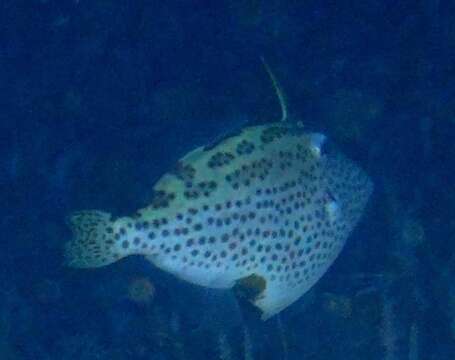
column 278, row 91
column 93, row 243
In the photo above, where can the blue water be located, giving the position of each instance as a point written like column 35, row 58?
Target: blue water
column 99, row 98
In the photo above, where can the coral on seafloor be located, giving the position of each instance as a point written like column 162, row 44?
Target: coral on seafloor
column 80, row 347
column 447, row 278
column 388, row 329
column 141, row 291
column 7, row 352
column 339, row 305
column 224, row 348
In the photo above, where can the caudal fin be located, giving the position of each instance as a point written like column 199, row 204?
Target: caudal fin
column 93, row 243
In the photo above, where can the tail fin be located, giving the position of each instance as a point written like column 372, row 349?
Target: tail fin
column 93, row 243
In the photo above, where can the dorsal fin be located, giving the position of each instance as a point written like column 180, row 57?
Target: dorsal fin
column 278, row 91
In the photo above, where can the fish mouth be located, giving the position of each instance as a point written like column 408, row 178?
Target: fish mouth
column 348, row 186
column 329, row 147
column 323, row 145
column 317, row 144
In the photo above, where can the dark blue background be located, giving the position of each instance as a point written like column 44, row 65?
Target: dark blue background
column 99, row 98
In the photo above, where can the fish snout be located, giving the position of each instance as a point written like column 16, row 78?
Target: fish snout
column 317, row 142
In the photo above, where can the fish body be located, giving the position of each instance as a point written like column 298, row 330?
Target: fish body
column 266, row 211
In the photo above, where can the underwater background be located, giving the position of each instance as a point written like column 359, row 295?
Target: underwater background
column 99, row 98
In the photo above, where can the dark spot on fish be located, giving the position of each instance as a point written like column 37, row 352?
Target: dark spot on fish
column 191, row 194
column 184, row 172
column 272, row 133
column 245, row 147
column 161, row 199
column 220, row 159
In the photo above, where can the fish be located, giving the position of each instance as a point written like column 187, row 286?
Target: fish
column 264, row 212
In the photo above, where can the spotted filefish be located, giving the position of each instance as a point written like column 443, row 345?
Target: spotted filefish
column 265, row 212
